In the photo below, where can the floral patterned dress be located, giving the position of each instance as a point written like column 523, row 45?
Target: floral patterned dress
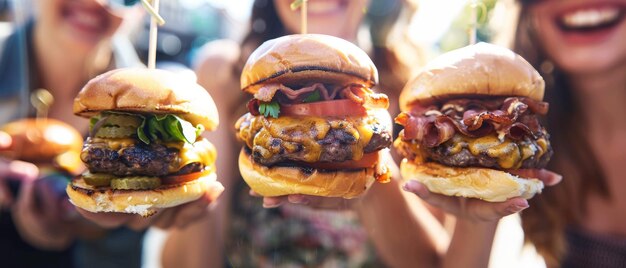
column 295, row 236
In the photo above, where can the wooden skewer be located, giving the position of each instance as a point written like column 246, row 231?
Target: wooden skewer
column 303, row 18
column 473, row 22
column 152, row 46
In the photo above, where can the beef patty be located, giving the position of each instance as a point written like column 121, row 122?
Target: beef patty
column 136, row 159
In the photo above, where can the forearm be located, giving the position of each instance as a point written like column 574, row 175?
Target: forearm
column 471, row 244
column 402, row 229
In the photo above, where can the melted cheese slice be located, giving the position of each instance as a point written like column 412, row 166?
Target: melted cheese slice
column 269, row 136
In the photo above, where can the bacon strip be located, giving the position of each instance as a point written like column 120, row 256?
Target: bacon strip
column 514, row 116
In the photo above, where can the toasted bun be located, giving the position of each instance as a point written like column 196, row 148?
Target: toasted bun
column 483, row 183
column 44, row 141
column 277, row 181
column 307, row 57
column 477, row 70
column 142, row 202
column 148, row 91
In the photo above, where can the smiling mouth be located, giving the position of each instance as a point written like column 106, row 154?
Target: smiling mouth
column 592, row 19
column 325, row 7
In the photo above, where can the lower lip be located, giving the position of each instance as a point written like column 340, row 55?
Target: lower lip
column 586, row 38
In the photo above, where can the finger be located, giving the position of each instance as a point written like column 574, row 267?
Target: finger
column 106, row 219
column 6, row 198
column 190, row 212
column 5, row 140
column 139, row 223
column 490, row 211
column 253, row 193
column 18, row 170
column 447, row 203
column 165, row 219
column 549, row 178
column 274, row 201
column 298, row 199
column 26, row 198
column 48, row 201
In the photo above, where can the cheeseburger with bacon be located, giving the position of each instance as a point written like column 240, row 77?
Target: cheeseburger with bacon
column 144, row 149
column 470, row 118
column 314, row 126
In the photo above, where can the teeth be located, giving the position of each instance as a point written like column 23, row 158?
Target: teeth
column 322, row 6
column 590, row 17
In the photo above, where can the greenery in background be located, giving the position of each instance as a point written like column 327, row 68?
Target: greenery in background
column 457, row 36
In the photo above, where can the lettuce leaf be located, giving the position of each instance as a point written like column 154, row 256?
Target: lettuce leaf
column 166, row 127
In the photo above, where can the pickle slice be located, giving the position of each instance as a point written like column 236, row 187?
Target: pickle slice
column 97, row 179
column 135, row 183
column 115, row 132
column 123, row 120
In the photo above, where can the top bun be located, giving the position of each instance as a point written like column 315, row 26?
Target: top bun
column 41, row 140
column 147, row 91
column 473, row 71
column 306, row 57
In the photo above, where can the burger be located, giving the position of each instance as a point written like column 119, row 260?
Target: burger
column 470, row 120
column 50, row 144
column 144, row 149
column 314, row 126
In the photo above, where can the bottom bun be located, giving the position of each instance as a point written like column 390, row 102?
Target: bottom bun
column 483, row 183
column 278, row 181
column 142, row 202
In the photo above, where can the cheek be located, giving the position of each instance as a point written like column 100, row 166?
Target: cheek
column 289, row 18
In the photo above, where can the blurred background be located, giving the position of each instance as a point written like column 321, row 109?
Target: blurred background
column 438, row 26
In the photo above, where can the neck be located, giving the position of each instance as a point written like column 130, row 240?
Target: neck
column 601, row 99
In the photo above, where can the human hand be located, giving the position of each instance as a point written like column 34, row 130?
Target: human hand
column 12, row 170
column 478, row 210
column 43, row 216
column 174, row 217
column 319, row 202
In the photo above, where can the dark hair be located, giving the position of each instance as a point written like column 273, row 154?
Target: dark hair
column 564, row 205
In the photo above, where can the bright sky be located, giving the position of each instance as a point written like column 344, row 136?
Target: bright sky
column 434, row 18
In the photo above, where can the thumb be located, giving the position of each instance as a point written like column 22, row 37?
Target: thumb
column 5, row 140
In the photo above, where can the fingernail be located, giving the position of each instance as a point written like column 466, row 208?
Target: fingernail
column 270, row 204
column 298, row 199
column 416, row 188
column 518, row 206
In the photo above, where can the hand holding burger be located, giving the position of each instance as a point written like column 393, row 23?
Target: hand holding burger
column 314, row 126
column 471, row 128
column 145, row 151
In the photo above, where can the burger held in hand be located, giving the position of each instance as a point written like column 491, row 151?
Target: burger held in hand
column 50, row 144
column 470, row 121
column 144, row 150
column 314, row 126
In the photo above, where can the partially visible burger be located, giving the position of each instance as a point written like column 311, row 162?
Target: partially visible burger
column 45, row 142
column 470, row 120
column 145, row 150
column 314, row 126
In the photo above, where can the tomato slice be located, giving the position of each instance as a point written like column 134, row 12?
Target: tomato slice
column 183, row 178
column 367, row 161
column 343, row 107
